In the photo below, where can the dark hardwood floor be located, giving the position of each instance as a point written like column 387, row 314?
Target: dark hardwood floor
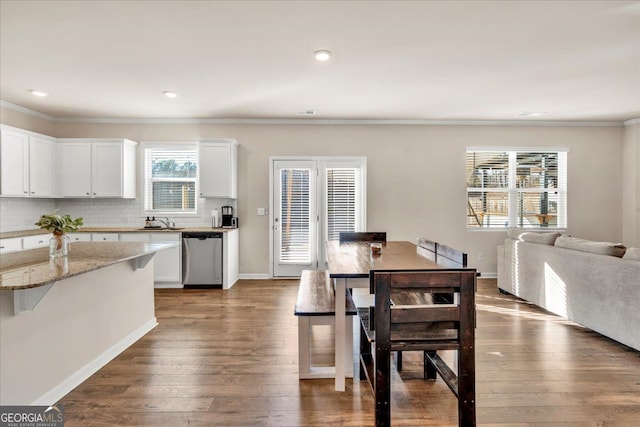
column 229, row 358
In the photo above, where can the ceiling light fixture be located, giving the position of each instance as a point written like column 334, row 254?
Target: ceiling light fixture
column 38, row 93
column 170, row 94
column 322, row 55
column 533, row 113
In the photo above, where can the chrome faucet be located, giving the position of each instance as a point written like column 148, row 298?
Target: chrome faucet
column 167, row 223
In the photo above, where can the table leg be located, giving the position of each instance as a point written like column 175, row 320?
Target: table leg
column 340, row 289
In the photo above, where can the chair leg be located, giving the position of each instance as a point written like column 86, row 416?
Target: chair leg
column 430, row 372
column 399, row 361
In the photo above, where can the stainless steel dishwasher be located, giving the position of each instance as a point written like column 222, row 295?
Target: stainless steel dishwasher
column 202, row 259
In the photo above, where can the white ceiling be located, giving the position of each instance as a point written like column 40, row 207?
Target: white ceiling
column 422, row 60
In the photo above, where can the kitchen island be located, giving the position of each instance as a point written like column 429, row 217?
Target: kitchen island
column 61, row 320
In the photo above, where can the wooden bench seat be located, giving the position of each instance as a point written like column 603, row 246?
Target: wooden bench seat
column 316, row 305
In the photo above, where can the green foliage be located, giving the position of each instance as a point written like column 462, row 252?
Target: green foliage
column 57, row 223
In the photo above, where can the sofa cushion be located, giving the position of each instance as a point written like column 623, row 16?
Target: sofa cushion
column 632, row 254
column 542, row 238
column 602, row 248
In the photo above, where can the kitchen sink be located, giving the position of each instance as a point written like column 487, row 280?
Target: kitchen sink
column 161, row 229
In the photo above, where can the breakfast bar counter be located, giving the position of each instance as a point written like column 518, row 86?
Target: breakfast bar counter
column 63, row 319
column 33, row 268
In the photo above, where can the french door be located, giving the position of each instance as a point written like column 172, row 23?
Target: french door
column 312, row 200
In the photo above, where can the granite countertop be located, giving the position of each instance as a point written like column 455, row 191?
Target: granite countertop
column 33, row 268
column 33, row 232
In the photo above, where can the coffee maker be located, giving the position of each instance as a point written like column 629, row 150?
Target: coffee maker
column 228, row 221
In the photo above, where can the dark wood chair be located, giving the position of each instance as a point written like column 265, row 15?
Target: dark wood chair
column 363, row 236
column 423, row 327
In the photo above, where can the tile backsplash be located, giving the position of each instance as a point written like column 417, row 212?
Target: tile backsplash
column 21, row 214
column 17, row 213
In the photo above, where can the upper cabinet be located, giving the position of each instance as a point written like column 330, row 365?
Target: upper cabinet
column 98, row 168
column 218, row 168
column 27, row 160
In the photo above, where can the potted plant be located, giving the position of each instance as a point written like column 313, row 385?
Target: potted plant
column 59, row 225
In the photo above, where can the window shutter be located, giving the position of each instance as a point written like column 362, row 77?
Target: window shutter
column 341, row 201
column 295, row 233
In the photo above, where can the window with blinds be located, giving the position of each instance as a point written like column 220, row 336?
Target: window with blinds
column 342, row 202
column 295, row 227
column 170, row 180
column 524, row 189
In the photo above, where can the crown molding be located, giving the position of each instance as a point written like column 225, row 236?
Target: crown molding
column 632, row 122
column 27, row 111
column 400, row 122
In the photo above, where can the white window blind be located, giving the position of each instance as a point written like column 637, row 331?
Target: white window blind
column 516, row 189
column 170, row 180
column 295, row 230
column 342, row 206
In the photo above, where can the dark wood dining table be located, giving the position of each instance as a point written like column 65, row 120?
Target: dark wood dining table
column 352, row 260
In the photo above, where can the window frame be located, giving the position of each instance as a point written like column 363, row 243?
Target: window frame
column 146, row 180
column 513, row 191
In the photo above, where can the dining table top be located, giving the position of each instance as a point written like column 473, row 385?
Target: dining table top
column 355, row 259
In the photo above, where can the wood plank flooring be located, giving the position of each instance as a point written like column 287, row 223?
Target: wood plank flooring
column 229, row 358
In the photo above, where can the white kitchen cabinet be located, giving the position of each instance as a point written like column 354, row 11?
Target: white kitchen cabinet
column 218, row 162
column 167, row 263
column 26, row 162
column 135, row 237
column 79, row 237
column 105, row 237
column 37, row 241
column 98, row 168
column 10, row 245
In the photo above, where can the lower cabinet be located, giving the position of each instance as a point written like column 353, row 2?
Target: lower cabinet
column 105, row 237
column 10, row 245
column 167, row 264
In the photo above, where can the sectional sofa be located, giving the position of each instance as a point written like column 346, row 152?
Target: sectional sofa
column 595, row 284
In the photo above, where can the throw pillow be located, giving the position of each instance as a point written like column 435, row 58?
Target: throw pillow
column 542, row 238
column 632, row 253
column 601, row 248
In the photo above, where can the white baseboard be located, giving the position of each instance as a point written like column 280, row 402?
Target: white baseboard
column 75, row 379
column 254, row 277
column 488, row 276
column 168, row 286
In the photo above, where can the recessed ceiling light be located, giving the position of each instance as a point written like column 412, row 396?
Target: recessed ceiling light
column 170, row 94
column 39, row 93
column 533, row 113
column 322, row 55
column 306, row 112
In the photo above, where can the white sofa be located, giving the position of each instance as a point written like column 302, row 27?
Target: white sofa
column 577, row 281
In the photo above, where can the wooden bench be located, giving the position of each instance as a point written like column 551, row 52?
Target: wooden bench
column 423, row 327
column 315, row 305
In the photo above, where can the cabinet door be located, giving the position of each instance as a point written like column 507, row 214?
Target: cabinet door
column 76, row 169
column 14, row 163
column 167, row 263
column 107, row 169
column 217, row 170
column 134, row 237
column 40, row 158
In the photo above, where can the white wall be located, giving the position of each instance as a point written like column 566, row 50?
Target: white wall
column 631, row 184
column 416, row 175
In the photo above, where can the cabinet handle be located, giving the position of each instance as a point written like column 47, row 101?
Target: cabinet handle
column 25, row 192
column 88, row 194
column 1, row 247
column 40, row 241
column 94, row 194
column 33, row 192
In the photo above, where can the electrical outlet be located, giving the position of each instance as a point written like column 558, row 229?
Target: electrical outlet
column 481, row 256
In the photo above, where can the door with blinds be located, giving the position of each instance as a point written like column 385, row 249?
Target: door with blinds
column 295, row 219
column 313, row 200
